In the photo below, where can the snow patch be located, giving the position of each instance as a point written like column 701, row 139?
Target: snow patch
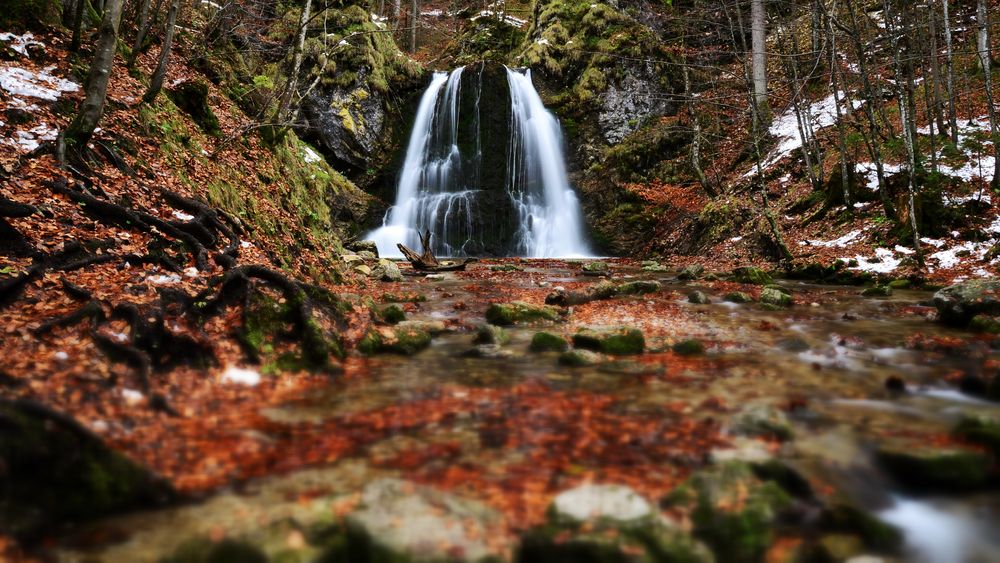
column 164, row 280
column 785, row 128
column 240, row 376
column 19, row 82
column 310, row 156
column 841, row 242
column 883, row 262
column 182, row 216
column 20, row 43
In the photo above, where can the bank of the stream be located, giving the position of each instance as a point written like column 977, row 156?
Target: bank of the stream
column 728, row 420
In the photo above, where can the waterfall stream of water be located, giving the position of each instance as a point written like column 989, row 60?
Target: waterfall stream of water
column 439, row 186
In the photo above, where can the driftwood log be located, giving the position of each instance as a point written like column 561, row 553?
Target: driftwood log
column 426, row 261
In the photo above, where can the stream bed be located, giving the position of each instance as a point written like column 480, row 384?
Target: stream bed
column 835, row 391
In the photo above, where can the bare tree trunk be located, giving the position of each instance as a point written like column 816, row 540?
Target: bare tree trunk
column 950, row 78
column 414, row 22
column 140, row 35
column 293, row 77
column 77, row 25
column 96, row 91
column 904, row 98
column 156, row 82
column 758, row 35
column 984, row 60
column 845, row 179
column 696, row 128
column 396, row 12
column 938, row 114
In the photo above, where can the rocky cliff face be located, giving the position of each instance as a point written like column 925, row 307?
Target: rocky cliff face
column 357, row 75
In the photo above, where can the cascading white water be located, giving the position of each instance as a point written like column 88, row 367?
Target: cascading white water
column 433, row 191
column 549, row 214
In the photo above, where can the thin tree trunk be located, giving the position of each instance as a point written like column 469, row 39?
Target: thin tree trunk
column 845, row 171
column 904, row 98
column 938, row 114
column 984, row 61
column 160, row 74
column 758, row 36
column 414, row 22
column 140, row 35
column 293, row 77
column 96, row 91
column 396, row 12
column 696, row 127
column 77, row 25
column 950, row 76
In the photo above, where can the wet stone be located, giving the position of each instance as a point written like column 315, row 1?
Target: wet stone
column 640, row 287
column 877, row 291
column 959, row 303
column 579, row 358
column 619, row 342
column 752, row 275
column 630, row 367
column 548, row 342
column 688, row 347
column 772, row 296
column 387, row 271
column 761, row 420
column 698, row 298
column 738, row 297
column 928, row 468
column 506, row 314
column 595, row 268
column 490, row 334
column 692, row 272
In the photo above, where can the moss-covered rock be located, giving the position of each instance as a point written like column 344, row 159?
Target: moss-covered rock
column 928, row 468
column 732, row 510
column 548, row 342
column 986, row 324
column 595, row 268
column 692, row 272
column 698, row 298
column 689, row 347
column 772, row 296
column 877, row 291
column 56, row 471
column 191, row 96
column 401, row 339
column 392, row 314
column 517, row 312
column 753, row 275
column 491, row 334
column 640, row 287
column 738, row 297
column 579, row 358
column 982, row 430
column 900, row 284
column 959, row 303
column 617, row 342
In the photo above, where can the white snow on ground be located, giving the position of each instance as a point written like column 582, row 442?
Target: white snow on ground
column 19, row 82
column 506, row 18
column 432, row 13
column 310, row 156
column 870, row 172
column 542, row 41
column 182, row 216
column 841, row 242
column 951, row 257
column 786, row 128
column 30, row 140
column 884, row 261
column 20, row 43
column 979, row 163
column 240, row 376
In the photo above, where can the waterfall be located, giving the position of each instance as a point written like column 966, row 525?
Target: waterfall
column 549, row 214
column 441, row 189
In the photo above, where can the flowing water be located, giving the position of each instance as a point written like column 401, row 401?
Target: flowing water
column 439, row 187
column 513, row 428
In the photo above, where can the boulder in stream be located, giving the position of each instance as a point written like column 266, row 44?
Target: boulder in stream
column 752, row 275
column 932, row 468
column 959, row 303
column 548, row 342
column 605, row 522
column 618, row 342
column 517, row 312
column 387, row 271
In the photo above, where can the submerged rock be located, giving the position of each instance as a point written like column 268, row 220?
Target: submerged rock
column 689, row 347
column 618, row 342
column 738, row 297
column 630, row 367
column 640, row 287
column 392, row 314
column 980, row 429
column 579, row 358
column 402, row 521
column 877, row 291
column 761, row 420
column 491, row 334
column 548, row 342
column 599, row 522
column 959, row 303
column 506, row 314
column 698, row 298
